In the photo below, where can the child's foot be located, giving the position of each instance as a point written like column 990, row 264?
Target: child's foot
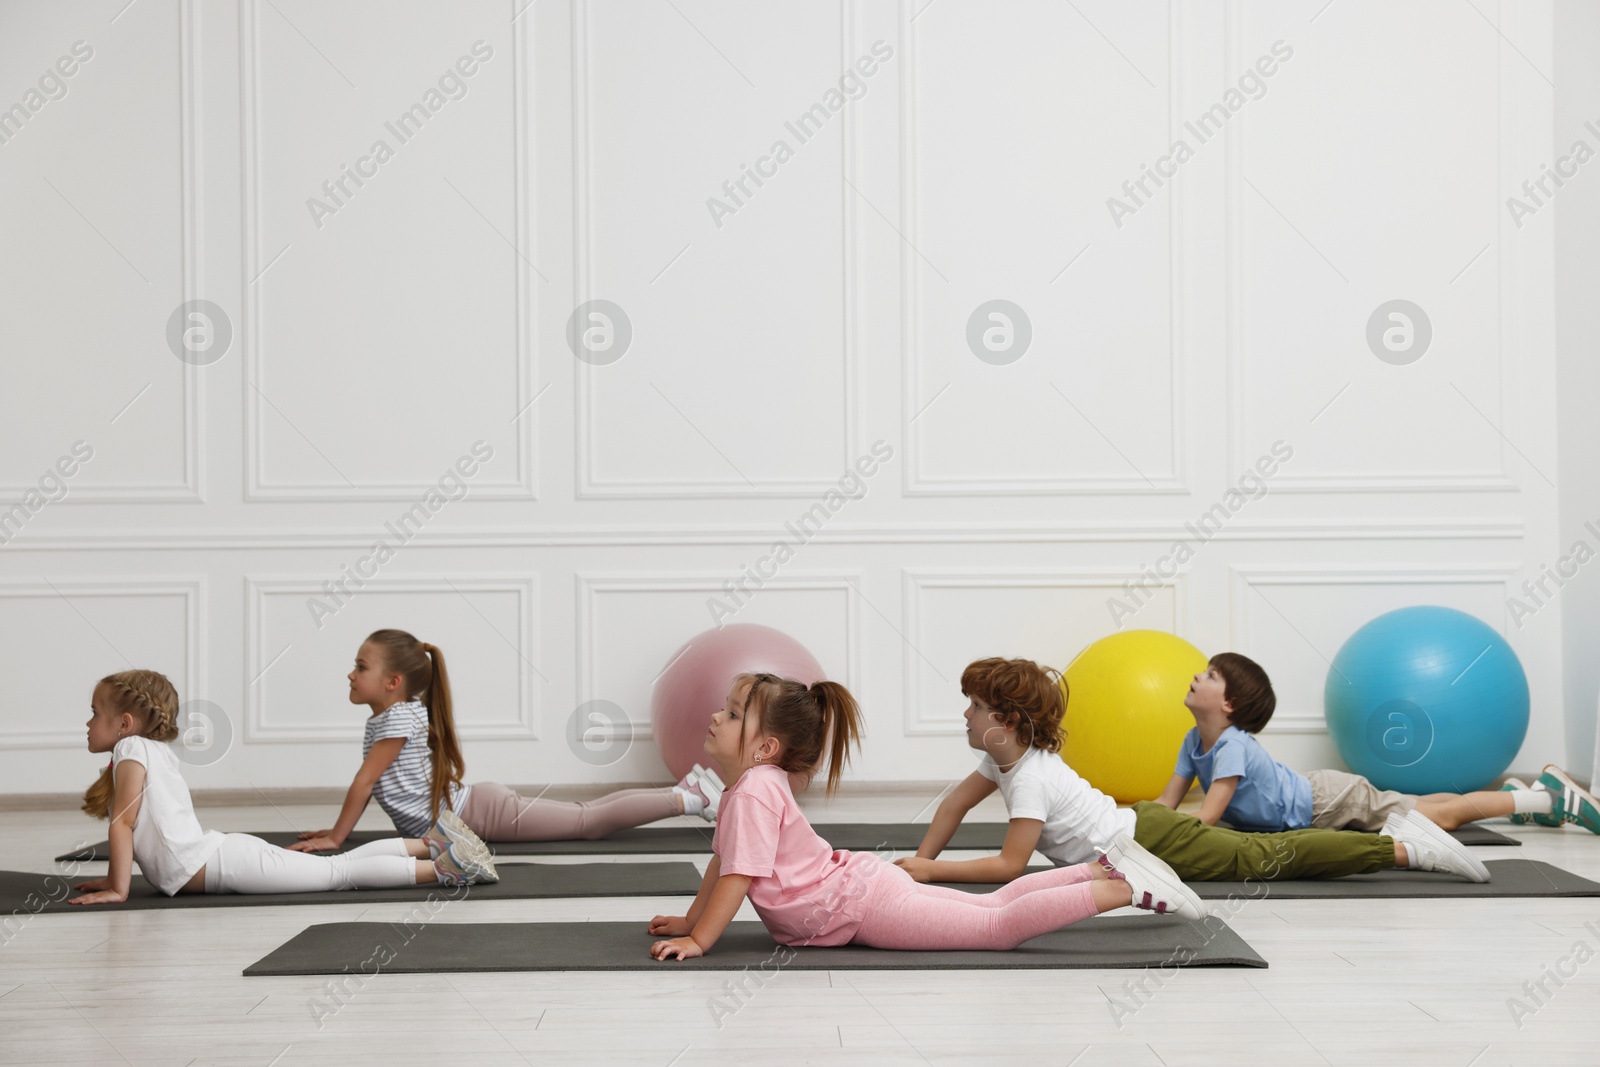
column 1156, row 887
column 1523, row 818
column 465, row 859
column 447, row 831
column 1431, row 849
column 701, row 792
column 1569, row 801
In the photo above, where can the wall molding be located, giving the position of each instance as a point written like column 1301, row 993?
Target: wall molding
column 1241, row 579
column 254, row 255
column 1504, row 478
column 587, row 486
column 915, row 580
column 916, row 483
column 591, row 585
column 258, row 659
column 190, row 490
column 306, row 539
column 190, row 687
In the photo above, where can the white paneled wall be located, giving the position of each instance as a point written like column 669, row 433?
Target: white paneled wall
column 798, row 217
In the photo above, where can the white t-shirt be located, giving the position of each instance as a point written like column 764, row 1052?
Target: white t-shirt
column 405, row 791
column 168, row 844
column 1079, row 820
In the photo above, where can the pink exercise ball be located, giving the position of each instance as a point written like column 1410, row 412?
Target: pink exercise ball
column 699, row 675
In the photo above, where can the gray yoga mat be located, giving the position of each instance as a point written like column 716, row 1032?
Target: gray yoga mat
column 1475, row 833
column 1508, row 878
column 854, row 836
column 27, row 892
column 1116, row 941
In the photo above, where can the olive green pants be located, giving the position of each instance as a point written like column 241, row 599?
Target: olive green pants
column 1201, row 853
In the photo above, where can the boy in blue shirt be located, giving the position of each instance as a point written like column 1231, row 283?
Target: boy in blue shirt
column 1232, row 699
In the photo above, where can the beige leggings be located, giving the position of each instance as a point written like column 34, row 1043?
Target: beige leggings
column 497, row 813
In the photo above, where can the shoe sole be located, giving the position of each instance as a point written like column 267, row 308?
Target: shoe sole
column 1529, row 818
column 1517, row 785
column 458, row 831
column 1571, row 788
column 1447, row 845
column 476, row 864
column 1125, row 852
column 711, row 788
column 470, row 851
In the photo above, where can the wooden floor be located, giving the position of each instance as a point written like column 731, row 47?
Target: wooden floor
column 1402, row 982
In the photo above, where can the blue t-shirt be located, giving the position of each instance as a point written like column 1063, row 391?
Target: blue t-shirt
column 1270, row 796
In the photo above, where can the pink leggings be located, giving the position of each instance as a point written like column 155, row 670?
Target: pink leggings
column 906, row 914
column 497, row 813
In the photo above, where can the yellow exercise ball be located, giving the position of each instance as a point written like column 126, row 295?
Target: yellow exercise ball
column 1125, row 717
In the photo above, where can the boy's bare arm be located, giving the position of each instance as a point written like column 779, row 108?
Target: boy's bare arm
column 1022, row 837
column 962, row 799
column 1218, row 797
column 1177, row 788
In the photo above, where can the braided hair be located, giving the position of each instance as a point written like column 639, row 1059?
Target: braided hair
column 153, row 702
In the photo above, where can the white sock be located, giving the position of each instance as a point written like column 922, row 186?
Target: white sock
column 1536, row 801
column 693, row 803
column 1411, row 854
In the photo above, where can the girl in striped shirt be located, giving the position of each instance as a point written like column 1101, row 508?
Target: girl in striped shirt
column 412, row 765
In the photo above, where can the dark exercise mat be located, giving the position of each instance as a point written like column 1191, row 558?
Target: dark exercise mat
column 1119, row 941
column 24, row 892
column 1475, row 833
column 854, row 836
column 1508, row 878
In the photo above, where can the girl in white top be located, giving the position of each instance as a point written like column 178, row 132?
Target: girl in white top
column 153, row 822
column 412, row 765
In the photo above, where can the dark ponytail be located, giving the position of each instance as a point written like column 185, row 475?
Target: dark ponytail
column 813, row 723
column 422, row 666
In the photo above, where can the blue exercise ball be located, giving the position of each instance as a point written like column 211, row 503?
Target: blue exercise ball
column 1427, row 700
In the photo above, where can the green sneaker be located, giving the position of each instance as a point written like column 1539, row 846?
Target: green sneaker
column 1525, row 818
column 1570, row 801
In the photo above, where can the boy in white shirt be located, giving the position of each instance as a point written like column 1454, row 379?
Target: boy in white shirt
column 1014, row 717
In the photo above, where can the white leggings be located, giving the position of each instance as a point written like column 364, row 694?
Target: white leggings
column 245, row 864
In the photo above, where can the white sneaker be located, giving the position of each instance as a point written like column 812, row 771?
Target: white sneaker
column 467, row 860
column 1433, row 849
column 1156, row 886
column 705, row 784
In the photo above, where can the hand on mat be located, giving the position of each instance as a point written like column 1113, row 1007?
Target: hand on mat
column 670, row 926
column 93, row 884
column 918, row 868
column 104, row 896
column 683, row 948
column 316, row 842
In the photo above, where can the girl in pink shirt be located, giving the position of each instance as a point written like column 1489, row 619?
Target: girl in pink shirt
column 808, row 893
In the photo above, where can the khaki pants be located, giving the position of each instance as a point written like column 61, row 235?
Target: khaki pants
column 1344, row 801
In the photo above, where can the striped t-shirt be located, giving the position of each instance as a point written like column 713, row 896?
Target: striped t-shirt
column 405, row 791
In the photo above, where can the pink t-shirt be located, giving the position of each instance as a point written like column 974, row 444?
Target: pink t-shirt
column 806, row 892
